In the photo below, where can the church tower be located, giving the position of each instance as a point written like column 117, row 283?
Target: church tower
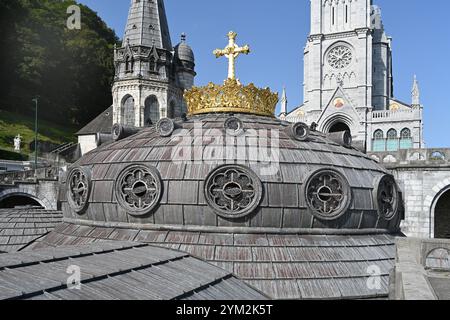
column 151, row 75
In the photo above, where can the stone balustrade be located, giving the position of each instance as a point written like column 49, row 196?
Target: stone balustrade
column 29, row 176
column 413, row 157
column 396, row 114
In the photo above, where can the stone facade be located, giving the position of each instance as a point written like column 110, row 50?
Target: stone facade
column 424, row 178
column 348, row 79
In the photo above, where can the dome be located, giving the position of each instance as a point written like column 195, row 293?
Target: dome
column 246, row 171
column 291, row 211
column 184, row 52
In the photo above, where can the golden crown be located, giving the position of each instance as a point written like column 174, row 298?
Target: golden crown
column 232, row 96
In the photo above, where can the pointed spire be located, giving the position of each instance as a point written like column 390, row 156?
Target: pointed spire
column 147, row 24
column 284, row 103
column 415, row 93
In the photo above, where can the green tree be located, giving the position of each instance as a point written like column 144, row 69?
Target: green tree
column 71, row 70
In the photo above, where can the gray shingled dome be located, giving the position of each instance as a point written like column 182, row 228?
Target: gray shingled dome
column 256, row 210
column 184, row 52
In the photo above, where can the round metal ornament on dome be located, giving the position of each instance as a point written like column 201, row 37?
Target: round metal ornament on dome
column 387, row 197
column 165, row 127
column 233, row 191
column 120, row 132
column 300, row 131
column 79, row 187
column 234, row 126
column 328, row 194
column 138, row 189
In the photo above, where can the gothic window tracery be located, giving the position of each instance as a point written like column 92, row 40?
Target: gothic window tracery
column 392, row 140
column 406, row 141
column 138, row 189
column 79, row 187
column 379, row 143
column 233, row 191
column 328, row 194
column 387, row 197
column 340, row 57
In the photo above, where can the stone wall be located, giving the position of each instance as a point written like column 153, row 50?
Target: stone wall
column 423, row 176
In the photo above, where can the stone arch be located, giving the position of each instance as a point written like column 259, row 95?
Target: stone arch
column 432, row 200
column 127, row 111
column 152, row 112
column 390, row 159
column 24, row 192
column 335, row 119
column 438, row 258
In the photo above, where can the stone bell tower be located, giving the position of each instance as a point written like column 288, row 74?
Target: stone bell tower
column 150, row 74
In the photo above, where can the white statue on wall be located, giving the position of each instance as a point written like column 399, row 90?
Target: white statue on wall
column 17, row 143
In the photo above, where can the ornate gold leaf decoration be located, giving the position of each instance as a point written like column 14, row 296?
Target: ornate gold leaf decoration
column 232, row 96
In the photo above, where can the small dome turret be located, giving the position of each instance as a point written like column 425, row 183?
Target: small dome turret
column 183, row 51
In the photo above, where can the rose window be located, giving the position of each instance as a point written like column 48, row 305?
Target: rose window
column 387, row 197
column 340, row 57
column 138, row 189
column 328, row 194
column 78, row 189
column 233, row 191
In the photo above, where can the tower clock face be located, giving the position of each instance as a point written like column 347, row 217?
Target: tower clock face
column 340, row 57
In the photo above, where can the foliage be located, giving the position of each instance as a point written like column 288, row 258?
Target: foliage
column 71, row 70
column 12, row 124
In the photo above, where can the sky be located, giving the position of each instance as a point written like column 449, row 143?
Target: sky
column 277, row 30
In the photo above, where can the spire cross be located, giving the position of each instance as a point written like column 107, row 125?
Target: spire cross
column 231, row 52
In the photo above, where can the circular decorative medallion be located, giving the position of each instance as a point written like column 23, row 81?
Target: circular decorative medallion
column 165, row 127
column 117, row 132
column 340, row 57
column 327, row 194
column 234, row 126
column 339, row 103
column 79, row 188
column 233, row 191
column 387, row 197
column 300, row 131
column 138, row 189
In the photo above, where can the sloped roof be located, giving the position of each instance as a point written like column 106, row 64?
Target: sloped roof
column 103, row 124
column 283, row 266
column 147, row 25
column 117, row 270
column 19, row 228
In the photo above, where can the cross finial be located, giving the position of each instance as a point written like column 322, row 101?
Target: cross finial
column 231, row 52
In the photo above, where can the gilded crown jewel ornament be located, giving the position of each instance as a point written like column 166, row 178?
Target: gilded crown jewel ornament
column 232, row 96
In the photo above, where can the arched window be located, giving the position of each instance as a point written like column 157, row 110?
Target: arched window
column 378, row 135
column 379, row 144
column 392, row 140
column 152, row 64
column 151, row 111
column 128, row 112
column 127, row 64
column 392, row 134
column 406, row 141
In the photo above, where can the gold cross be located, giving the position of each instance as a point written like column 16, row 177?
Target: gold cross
column 231, row 52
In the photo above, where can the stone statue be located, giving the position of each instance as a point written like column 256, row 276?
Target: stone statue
column 17, row 143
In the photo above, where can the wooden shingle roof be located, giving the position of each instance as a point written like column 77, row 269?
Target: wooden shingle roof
column 283, row 266
column 117, row 271
column 19, row 228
